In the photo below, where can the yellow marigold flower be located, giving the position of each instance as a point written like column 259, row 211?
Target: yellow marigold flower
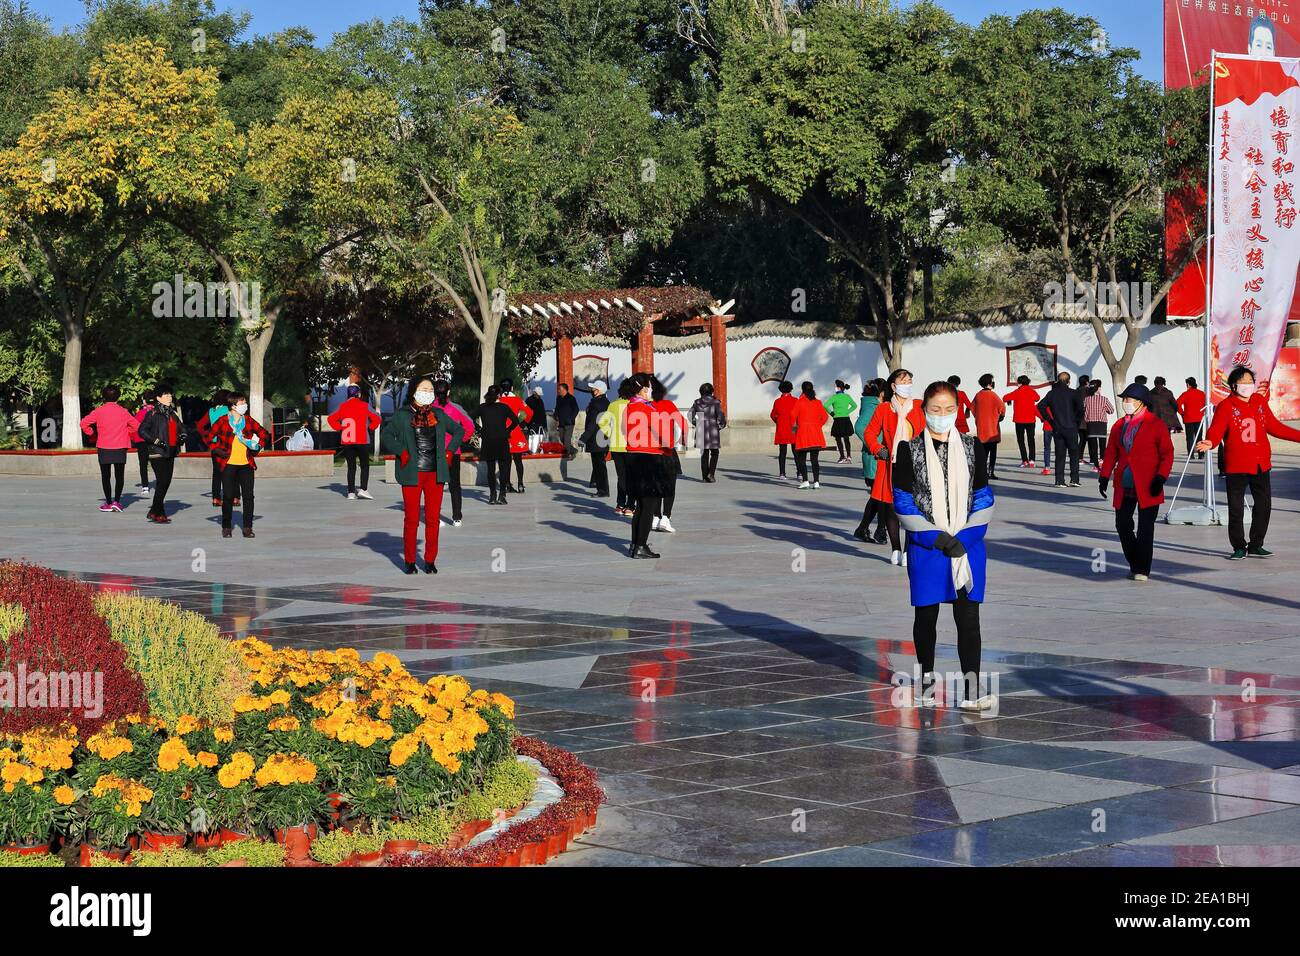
column 207, row 759
column 284, row 723
column 65, row 795
column 173, row 753
column 224, row 735
column 280, row 697
column 504, row 704
column 13, row 772
column 187, row 724
column 249, row 702
column 238, row 769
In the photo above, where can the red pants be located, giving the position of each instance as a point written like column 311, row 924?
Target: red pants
column 432, row 491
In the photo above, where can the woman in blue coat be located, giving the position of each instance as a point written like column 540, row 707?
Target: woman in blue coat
column 943, row 500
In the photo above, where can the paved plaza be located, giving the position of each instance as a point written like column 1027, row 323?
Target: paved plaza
column 735, row 696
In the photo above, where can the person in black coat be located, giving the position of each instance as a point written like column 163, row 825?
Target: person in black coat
column 1063, row 407
column 566, row 416
column 162, row 437
column 537, row 421
column 593, row 439
column 495, row 422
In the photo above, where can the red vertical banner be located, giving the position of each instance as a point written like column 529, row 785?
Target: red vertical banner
column 1194, row 30
column 1256, row 249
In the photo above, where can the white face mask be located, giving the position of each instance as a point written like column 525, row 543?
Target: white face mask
column 1246, row 389
column 241, row 408
column 940, row 424
column 1132, row 408
column 903, row 389
column 423, row 398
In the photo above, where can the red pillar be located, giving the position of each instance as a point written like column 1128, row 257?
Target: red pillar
column 564, row 361
column 643, row 355
column 718, row 344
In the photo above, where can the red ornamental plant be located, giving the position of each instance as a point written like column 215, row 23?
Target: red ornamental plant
column 582, row 798
column 62, row 642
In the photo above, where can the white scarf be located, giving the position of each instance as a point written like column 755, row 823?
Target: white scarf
column 903, row 430
column 950, row 497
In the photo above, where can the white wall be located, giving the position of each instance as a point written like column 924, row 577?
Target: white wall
column 1172, row 351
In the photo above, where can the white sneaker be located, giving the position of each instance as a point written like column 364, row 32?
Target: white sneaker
column 817, row 484
column 804, row 484
column 987, row 702
column 365, row 494
column 904, row 559
column 352, row 496
column 896, row 557
column 456, row 523
column 654, row 526
column 666, row 525
column 143, row 489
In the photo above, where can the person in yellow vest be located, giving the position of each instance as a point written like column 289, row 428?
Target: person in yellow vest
column 613, row 432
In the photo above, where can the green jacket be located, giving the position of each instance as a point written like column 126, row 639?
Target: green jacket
column 399, row 435
column 869, row 405
column 840, row 405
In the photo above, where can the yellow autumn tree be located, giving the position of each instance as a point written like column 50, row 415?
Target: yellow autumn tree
column 142, row 140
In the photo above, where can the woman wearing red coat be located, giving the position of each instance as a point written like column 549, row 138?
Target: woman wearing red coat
column 1242, row 423
column 518, row 437
column 809, row 417
column 783, row 416
column 898, row 419
column 1140, row 455
column 353, row 421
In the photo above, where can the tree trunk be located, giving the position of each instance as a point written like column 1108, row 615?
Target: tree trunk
column 487, row 370
column 258, row 343
column 72, row 335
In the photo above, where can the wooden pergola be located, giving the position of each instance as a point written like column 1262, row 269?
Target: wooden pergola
column 637, row 313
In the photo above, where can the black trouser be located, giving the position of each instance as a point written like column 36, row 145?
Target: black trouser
column 842, row 445
column 1066, row 440
column 781, row 457
column 666, row 502
column 1261, row 509
column 1138, row 544
column 236, row 482
column 142, row 455
column 518, row 458
column 216, row 478
column 1192, row 434
column 966, row 615
column 498, row 470
column 643, row 519
column 112, row 492
column 708, row 462
column 872, row 510
column 620, row 473
column 453, row 485
column 991, row 456
column 1096, row 448
column 1025, row 439
column 801, row 456
column 599, row 473
column 890, row 518
column 162, row 480
column 353, row 454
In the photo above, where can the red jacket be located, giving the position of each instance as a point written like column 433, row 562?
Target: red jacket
column 1025, row 399
column 809, row 417
column 989, row 410
column 1152, row 454
column 671, row 424
column 964, row 408
column 1191, row 406
column 223, row 437
column 884, row 422
column 352, row 420
column 783, row 415
column 518, row 440
column 1243, row 428
column 114, row 427
column 643, row 424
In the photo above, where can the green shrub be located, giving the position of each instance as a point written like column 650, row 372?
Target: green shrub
column 36, row 859
column 170, row 857
column 103, row 861
column 335, row 847
column 254, row 851
column 186, row 665
column 431, row 826
column 12, row 620
column 509, row 784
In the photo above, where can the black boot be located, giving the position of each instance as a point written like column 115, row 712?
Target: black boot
column 642, row 551
column 430, row 567
column 410, row 568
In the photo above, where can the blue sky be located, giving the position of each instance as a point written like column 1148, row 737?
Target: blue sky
column 1135, row 23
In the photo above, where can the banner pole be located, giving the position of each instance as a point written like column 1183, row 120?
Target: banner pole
column 1209, row 272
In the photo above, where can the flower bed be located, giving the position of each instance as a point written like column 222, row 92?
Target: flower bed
column 384, row 766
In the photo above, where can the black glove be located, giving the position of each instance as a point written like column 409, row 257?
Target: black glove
column 1104, row 483
column 950, row 546
column 1157, row 485
column 882, row 453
